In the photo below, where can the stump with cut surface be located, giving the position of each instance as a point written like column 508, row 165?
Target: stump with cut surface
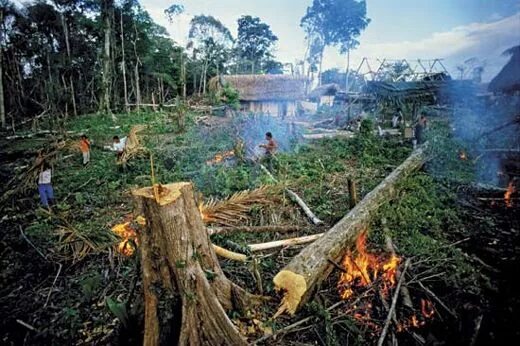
column 300, row 277
column 185, row 291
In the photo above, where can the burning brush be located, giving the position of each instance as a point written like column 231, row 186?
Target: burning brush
column 368, row 280
column 509, row 192
column 220, row 157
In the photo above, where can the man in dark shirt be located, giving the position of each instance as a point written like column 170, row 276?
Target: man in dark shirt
column 419, row 129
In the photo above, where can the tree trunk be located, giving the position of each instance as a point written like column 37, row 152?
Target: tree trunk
column 348, row 71
column 185, row 289
column 311, row 266
column 123, row 64
column 107, row 29
column 320, row 67
column 2, row 104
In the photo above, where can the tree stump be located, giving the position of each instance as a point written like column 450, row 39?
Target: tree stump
column 185, row 291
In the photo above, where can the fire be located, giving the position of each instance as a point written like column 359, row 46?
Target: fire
column 507, row 196
column 462, row 155
column 427, row 309
column 129, row 238
column 219, row 157
column 364, row 268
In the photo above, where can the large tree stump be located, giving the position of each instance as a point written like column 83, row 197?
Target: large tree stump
column 300, row 277
column 185, row 291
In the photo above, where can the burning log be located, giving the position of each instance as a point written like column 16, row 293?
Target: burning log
column 185, row 290
column 312, row 264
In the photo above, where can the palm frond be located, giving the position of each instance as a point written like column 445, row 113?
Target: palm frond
column 236, row 208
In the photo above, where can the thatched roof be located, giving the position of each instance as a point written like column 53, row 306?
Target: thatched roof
column 508, row 79
column 264, row 87
column 324, row 90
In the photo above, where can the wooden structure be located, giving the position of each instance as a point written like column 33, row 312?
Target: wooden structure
column 324, row 94
column 507, row 81
column 276, row 95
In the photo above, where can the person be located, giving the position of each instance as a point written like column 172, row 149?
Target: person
column 44, row 185
column 270, row 149
column 118, row 146
column 396, row 119
column 84, row 145
column 419, row 129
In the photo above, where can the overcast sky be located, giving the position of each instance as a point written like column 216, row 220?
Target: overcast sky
column 454, row 30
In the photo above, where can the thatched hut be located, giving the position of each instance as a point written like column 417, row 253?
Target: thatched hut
column 508, row 79
column 270, row 94
column 324, row 94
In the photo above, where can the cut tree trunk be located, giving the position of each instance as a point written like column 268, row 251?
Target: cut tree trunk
column 312, row 265
column 185, row 290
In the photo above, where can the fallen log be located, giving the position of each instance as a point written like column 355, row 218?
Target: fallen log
column 285, row 242
column 255, row 229
column 312, row 266
column 220, row 251
column 185, row 290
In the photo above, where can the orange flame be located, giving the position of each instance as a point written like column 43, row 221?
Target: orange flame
column 219, row 157
column 364, row 268
column 427, row 309
column 129, row 238
column 507, row 196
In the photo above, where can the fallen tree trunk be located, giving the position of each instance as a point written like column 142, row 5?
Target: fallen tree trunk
column 255, row 229
column 185, row 290
column 311, row 266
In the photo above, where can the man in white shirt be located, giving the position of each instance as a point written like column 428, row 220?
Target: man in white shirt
column 45, row 186
column 119, row 146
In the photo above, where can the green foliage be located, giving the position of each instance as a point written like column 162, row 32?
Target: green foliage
column 255, row 43
column 230, row 96
column 336, row 22
column 118, row 309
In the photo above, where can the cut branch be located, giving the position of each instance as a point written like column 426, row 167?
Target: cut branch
column 254, row 229
column 296, row 199
column 285, row 242
column 394, row 303
column 312, row 263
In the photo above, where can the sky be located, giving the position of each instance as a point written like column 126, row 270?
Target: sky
column 453, row 30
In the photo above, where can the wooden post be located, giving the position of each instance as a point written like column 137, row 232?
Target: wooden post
column 185, row 290
column 352, row 190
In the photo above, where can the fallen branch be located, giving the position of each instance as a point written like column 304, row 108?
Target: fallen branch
column 220, row 251
column 285, row 242
column 437, row 299
column 254, row 229
column 296, row 199
column 53, row 284
column 312, row 263
column 394, row 303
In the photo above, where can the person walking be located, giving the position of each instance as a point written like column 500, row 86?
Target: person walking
column 84, row 145
column 45, row 186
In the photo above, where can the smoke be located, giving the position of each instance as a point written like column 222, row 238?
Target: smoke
column 251, row 128
column 478, row 125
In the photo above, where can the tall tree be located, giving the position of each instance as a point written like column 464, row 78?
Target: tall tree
column 338, row 22
column 107, row 13
column 212, row 41
column 255, row 42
